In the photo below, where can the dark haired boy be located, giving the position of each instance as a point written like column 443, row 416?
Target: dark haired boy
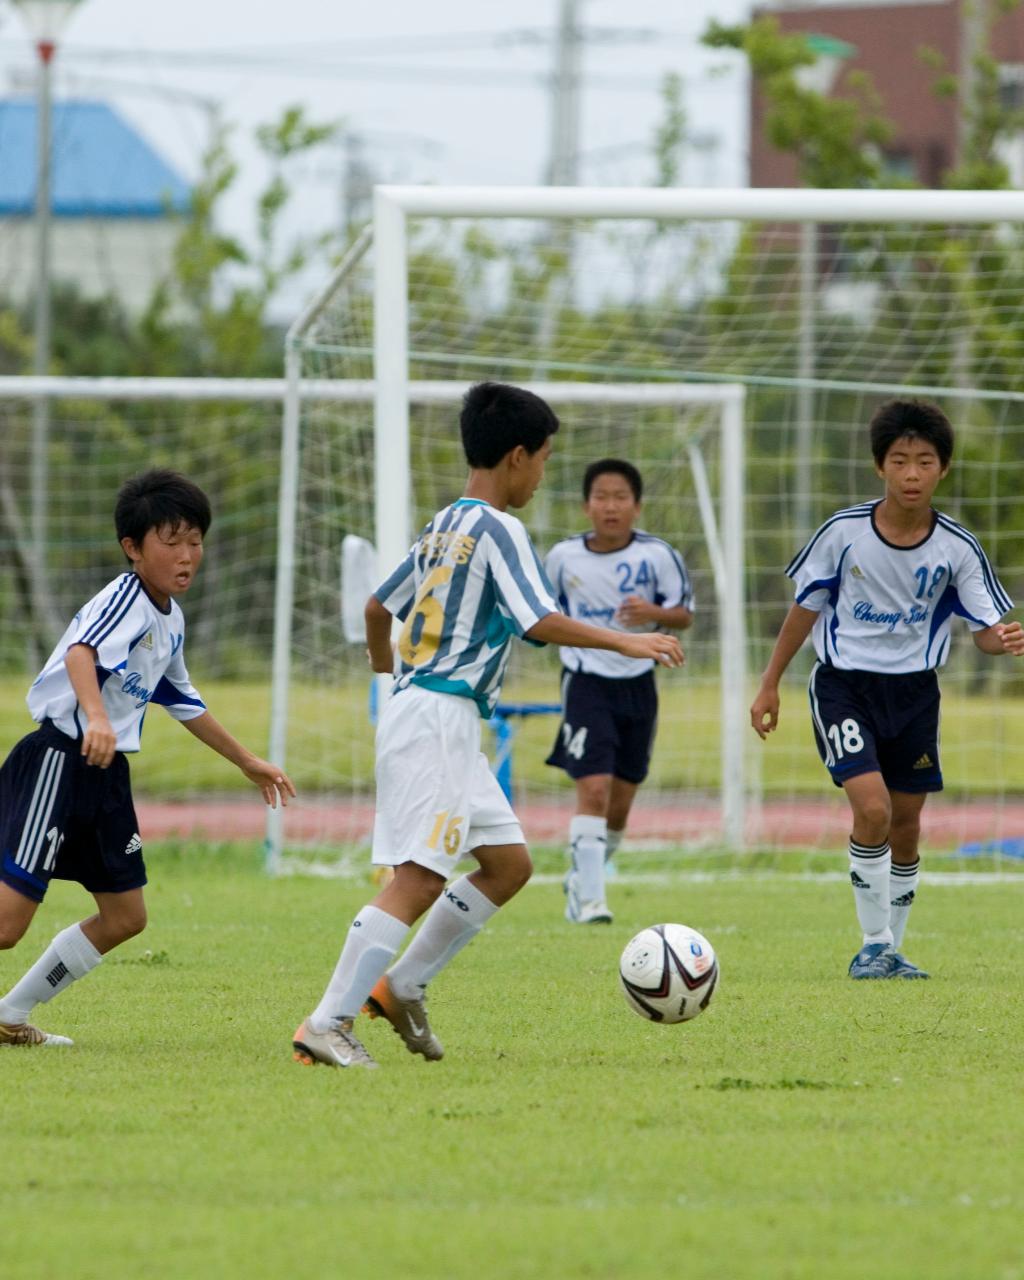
column 66, row 809
column 626, row 579
column 470, row 583
column 879, row 585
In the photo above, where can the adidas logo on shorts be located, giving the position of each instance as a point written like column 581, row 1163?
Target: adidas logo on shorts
column 134, row 845
column 925, row 762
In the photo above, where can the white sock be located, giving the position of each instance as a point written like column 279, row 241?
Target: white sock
column 612, row 841
column 68, row 957
column 588, row 838
column 903, row 881
column 452, row 922
column 869, row 875
column 373, row 939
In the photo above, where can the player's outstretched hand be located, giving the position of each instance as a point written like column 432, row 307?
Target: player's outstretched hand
column 764, row 712
column 271, row 780
column 664, row 649
column 99, row 743
column 1011, row 634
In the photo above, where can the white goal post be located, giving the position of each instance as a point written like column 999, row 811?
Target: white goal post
column 721, row 517
column 735, row 312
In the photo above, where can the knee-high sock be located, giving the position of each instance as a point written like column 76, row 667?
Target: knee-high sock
column 68, row 957
column 613, row 839
column 452, row 922
column 869, row 875
column 588, row 837
column 373, row 938
column 903, row 881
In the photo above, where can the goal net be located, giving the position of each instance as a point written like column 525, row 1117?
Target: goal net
column 620, row 305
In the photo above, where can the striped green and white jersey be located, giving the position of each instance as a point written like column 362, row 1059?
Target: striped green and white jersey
column 471, row 581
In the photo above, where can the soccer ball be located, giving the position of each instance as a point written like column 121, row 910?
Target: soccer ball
column 668, row 973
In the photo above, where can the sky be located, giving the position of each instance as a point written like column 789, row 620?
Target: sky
column 451, row 93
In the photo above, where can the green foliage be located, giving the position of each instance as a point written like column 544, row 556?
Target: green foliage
column 670, row 135
column 561, row 1136
column 836, row 140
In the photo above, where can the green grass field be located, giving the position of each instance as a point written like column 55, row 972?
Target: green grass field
column 982, row 749
column 806, row 1126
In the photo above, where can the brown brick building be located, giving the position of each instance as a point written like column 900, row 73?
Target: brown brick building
column 885, row 38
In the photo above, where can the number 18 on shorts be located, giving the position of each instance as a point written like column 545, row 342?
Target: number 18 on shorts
column 869, row 722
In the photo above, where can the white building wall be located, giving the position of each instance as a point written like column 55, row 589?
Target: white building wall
column 122, row 257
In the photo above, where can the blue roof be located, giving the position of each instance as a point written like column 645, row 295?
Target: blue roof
column 101, row 167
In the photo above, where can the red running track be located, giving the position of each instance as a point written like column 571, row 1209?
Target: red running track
column 809, row 823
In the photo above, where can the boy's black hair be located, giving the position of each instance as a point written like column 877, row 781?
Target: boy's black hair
column 615, row 467
column 156, row 498
column 496, row 418
column 918, row 419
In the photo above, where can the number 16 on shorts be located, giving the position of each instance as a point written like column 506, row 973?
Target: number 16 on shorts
column 446, row 833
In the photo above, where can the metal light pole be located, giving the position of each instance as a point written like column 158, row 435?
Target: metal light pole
column 45, row 20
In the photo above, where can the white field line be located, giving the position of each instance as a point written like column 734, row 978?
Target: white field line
column 347, row 869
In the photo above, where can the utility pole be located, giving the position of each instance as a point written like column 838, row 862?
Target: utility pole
column 563, row 167
column 563, row 161
column 45, row 20
column 973, row 26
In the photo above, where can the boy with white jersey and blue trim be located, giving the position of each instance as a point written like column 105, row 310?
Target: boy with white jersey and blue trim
column 623, row 578
column 66, row 810
column 471, row 582
column 878, row 586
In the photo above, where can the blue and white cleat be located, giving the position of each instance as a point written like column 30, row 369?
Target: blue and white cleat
column 904, row 969
column 875, row 960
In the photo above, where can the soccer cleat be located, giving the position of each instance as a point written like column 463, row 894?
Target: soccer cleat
column 594, row 913
column 904, row 969
column 22, row 1035
column 578, row 911
column 336, row 1047
column 875, row 960
column 407, row 1017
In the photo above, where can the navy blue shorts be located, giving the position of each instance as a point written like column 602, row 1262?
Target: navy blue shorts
column 608, row 726
column 868, row 722
column 63, row 819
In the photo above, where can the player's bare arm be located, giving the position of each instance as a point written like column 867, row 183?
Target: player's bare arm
column 764, row 710
column 635, row 611
column 1003, row 638
column 378, row 637
column 272, row 781
column 556, row 628
column 99, row 741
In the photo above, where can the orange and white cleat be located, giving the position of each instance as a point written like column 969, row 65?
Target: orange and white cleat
column 22, row 1035
column 335, row 1047
column 408, row 1017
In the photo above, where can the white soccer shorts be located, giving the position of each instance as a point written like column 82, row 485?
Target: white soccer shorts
column 436, row 796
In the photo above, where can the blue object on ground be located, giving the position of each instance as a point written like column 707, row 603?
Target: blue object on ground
column 1009, row 848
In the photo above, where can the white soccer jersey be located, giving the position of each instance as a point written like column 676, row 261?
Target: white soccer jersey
column 887, row 608
column 471, row 581
column 139, row 660
column 591, row 586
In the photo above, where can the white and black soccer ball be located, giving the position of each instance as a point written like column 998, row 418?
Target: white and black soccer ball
column 668, row 973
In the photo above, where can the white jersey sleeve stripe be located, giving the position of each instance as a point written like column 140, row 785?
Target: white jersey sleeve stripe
column 397, row 592
column 850, row 513
column 999, row 597
column 520, row 579
column 101, row 629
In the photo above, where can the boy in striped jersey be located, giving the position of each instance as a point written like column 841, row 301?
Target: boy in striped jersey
column 878, row 585
column 66, row 807
column 470, row 583
column 629, row 580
